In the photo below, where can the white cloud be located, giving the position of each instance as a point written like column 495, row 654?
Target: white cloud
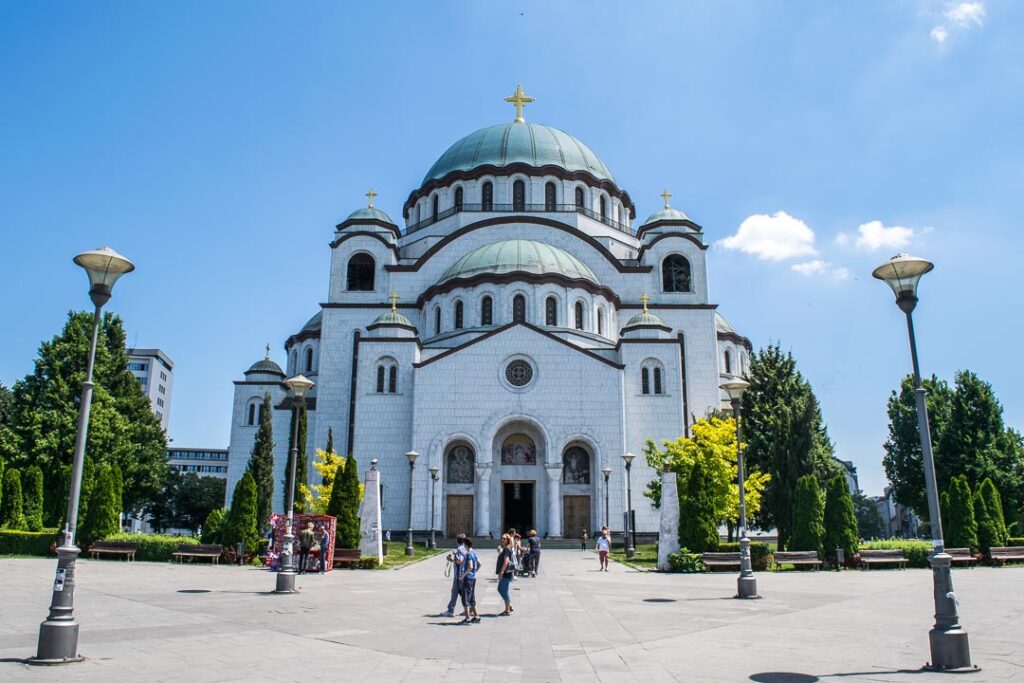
column 772, row 238
column 873, row 235
column 939, row 34
column 819, row 267
column 966, row 13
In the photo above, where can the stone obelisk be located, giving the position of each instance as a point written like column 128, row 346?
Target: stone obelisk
column 369, row 516
column 668, row 533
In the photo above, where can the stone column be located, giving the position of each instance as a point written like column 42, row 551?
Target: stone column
column 482, row 498
column 668, row 534
column 369, row 516
column 554, row 471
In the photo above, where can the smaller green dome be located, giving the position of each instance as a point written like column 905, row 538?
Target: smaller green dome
column 526, row 256
column 644, row 319
column 722, row 325
column 314, row 323
column 666, row 214
column 369, row 213
column 265, row 366
column 393, row 318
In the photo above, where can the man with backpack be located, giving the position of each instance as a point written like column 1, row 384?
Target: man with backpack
column 467, row 579
column 455, row 559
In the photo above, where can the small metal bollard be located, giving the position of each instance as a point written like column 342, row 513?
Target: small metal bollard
column 240, row 552
column 839, row 559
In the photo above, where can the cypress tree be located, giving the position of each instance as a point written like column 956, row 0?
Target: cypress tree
column 85, row 493
column 102, row 520
column 33, row 498
column 988, row 535
column 698, row 528
column 808, row 516
column 840, row 520
column 345, row 499
column 2, row 467
column 301, row 477
column 241, row 522
column 118, row 481
column 994, row 505
column 12, row 514
column 261, row 465
column 962, row 529
column 213, row 527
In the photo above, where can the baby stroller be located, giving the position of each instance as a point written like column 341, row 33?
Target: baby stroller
column 526, row 563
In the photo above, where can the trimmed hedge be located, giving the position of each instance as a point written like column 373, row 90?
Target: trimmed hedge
column 916, row 552
column 27, row 542
column 153, row 547
column 760, row 553
column 1017, row 542
column 685, row 562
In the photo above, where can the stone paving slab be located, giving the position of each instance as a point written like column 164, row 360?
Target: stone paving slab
column 162, row 622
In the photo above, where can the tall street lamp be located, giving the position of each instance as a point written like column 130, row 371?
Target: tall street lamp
column 411, row 455
column 297, row 388
column 746, row 584
column 607, row 472
column 58, row 634
column 630, row 541
column 948, row 640
column 433, row 519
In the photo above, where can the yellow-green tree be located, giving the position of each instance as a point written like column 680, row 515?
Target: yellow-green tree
column 328, row 464
column 713, row 444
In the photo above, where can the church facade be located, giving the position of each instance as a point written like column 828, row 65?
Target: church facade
column 521, row 334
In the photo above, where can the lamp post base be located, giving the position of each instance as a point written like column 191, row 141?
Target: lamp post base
column 409, row 551
column 746, row 587
column 58, row 644
column 950, row 651
column 285, row 582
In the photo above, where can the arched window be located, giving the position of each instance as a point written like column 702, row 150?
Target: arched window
column 579, row 197
column 486, row 311
column 728, row 362
column 575, row 465
column 645, row 381
column 459, row 467
column 437, row 321
column 603, row 203
column 675, row 274
column 458, row 198
column 295, row 362
column 549, row 197
column 360, row 273
column 487, row 196
column 380, row 379
column 652, row 377
column 579, row 315
column 393, row 379
column 519, row 196
column 600, row 321
column 387, row 376
column 252, row 415
column 434, row 206
column 551, row 311
column 657, row 381
column 519, row 308
column 309, row 359
column 458, row 315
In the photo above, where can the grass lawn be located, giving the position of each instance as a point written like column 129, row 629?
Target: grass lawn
column 396, row 557
column 645, row 558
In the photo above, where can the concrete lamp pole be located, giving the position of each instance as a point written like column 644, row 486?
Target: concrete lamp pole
column 411, row 455
column 433, row 518
column 746, row 584
column 630, row 549
column 607, row 472
column 950, row 650
column 58, row 635
column 297, row 388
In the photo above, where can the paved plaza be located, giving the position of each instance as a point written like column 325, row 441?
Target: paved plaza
column 164, row 622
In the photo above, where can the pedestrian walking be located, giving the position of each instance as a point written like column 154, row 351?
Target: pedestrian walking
column 534, row 540
column 306, row 541
column 455, row 559
column 324, row 539
column 603, row 546
column 584, row 537
column 470, row 566
column 505, row 570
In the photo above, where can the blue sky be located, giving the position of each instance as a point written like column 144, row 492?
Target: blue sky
column 217, row 144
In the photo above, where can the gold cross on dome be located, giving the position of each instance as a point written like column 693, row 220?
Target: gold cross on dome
column 371, row 194
column 519, row 99
column 644, row 299
column 666, row 195
column 394, row 302
column 268, row 352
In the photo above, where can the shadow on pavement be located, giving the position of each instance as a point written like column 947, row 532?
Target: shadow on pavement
column 792, row 677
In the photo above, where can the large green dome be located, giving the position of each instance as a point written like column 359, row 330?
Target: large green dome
column 511, row 143
column 526, row 256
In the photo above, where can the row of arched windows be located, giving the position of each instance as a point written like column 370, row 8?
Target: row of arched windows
column 518, row 199
column 652, row 378
column 387, row 376
column 307, row 366
column 460, row 460
column 728, row 364
column 519, row 314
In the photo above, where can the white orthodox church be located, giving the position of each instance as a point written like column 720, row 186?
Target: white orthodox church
column 521, row 333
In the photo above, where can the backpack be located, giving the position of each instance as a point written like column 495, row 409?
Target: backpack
column 516, row 566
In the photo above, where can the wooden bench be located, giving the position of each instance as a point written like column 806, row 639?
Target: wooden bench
column 1006, row 554
column 712, row 560
column 212, row 552
column 124, row 548
column 347, row 557
column 872, row 557
column 962, row 556
column 808, row 558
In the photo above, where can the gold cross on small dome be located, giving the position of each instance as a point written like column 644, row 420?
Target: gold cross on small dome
column 519, row 99
column 394, row 302
column 644, row 299
column 666, row 195
column 371, row 194
column 268, row 352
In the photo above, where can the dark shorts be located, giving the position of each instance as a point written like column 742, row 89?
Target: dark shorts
column 469, row 592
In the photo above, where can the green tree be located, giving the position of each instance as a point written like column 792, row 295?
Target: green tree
column 122, row 427
column 988, row 535
column 840, row 520
column 994, row 507
column 12, row 514
column 102, row 520
column 808, row 516
column 301, row 478
column 869, row 521
column 32, row 503
column 213, row 527
column 961, row 529
column 241, row 522
column 187, row 501
column 261, row 464
column 344, row 505
column 6, row 405
column 117, row 478
column 786, row 436
column 3, row 466
column 698, row 525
